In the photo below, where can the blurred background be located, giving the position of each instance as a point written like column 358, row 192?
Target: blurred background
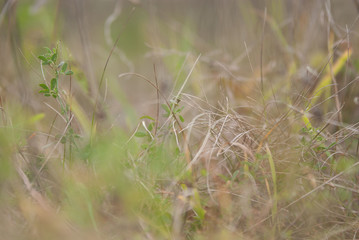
column 240, row 65
column 231, row 36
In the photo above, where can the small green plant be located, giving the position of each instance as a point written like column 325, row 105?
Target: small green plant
column 148, row 128
column 312, row 138
column 148, row 133
column 50, row 58
column 170, row 109
column 173, row 108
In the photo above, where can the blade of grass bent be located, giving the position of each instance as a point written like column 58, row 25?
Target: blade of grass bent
column 327, row 79
column 187, row 78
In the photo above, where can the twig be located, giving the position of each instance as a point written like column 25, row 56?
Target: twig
column 262, row 40
column 158, row 100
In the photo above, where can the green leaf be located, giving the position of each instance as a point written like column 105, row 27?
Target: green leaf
column 178, row 110
column 331, row 145
column 150, row 126
column 181, row 118
column 48, row 50
column 64, row 67
column 147, row 117
column 42, row 58
column 44, row 86
column 54, row 93
column 234, row 175
column 166, row 108
column 44, row 91
column 54, row 57
column 140, row 134
column 53, row 83
column 63, row 140
column 69, row 72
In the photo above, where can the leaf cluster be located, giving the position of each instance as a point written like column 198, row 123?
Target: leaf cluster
column 50, row 59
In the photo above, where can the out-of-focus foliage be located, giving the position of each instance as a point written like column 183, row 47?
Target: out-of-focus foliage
column 184, row 119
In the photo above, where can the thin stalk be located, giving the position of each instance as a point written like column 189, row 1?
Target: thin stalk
column 103, row 75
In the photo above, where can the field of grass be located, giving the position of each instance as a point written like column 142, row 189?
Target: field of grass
column 166, row 119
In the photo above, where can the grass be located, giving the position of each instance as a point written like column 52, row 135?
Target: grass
column 205, row 139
